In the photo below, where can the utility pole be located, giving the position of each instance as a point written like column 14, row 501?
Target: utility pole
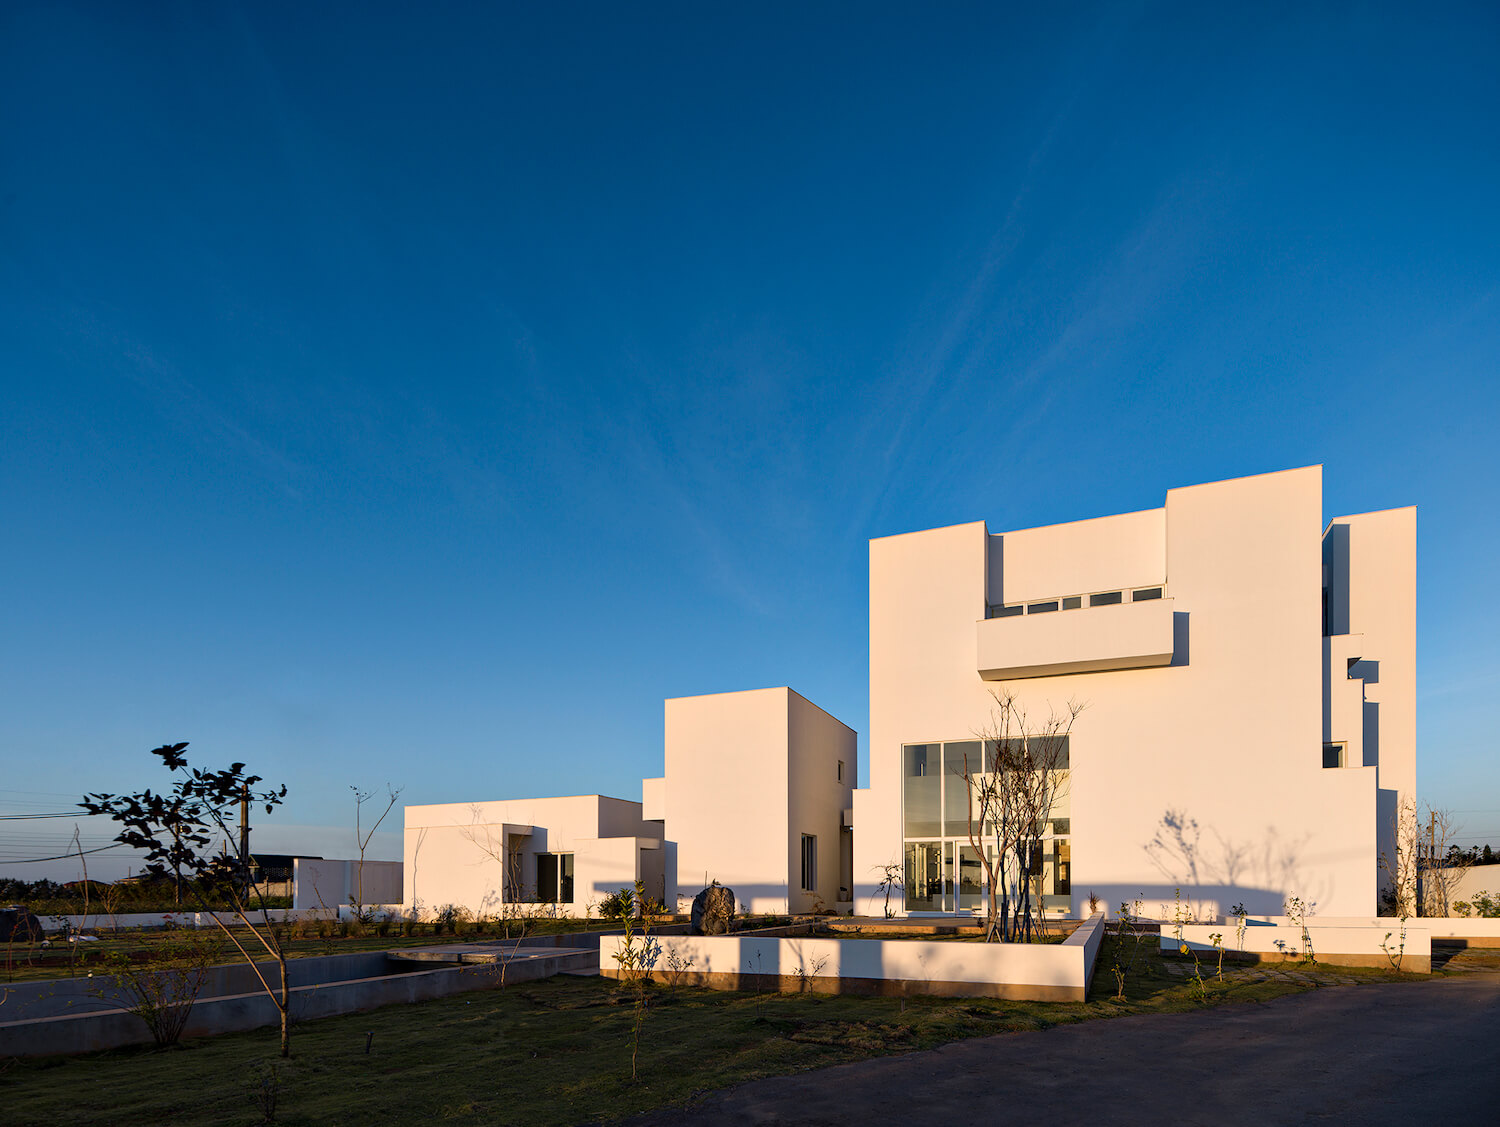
column 245, row 835
column 1431, row 850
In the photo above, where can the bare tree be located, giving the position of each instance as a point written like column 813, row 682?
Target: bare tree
column 362, row 840
column 1015, row 788
column 1400, row 863
column 890, row 881
column 1444, row 863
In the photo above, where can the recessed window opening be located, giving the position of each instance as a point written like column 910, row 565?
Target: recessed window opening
column 809, row 863
column 1074, row 602
column 1333, row 755
column 841, row 770
column 554, row 878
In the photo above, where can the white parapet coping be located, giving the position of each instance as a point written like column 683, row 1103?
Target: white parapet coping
column 1386, row 943
column 1051, row 972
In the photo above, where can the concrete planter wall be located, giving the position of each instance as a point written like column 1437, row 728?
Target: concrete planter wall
column 1456, row 931
column 1352, row 945
column 62, row 1016
column 1032, row 972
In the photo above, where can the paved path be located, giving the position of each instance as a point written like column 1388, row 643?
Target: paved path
column 1402, row 1054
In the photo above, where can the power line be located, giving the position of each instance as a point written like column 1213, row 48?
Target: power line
column 60, row 856
column 62, row 814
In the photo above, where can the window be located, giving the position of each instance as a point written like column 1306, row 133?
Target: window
column 809, row 863
column 1073, row 602
column 922, row 789
column 1040, row 608
column 554, row 878
column 924, row 880
column 1145, row 593
column 1108, row 599
column 841, row 770
column 1006, row 612
column 1333, row 755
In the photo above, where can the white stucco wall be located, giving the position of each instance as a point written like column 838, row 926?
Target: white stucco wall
column 726, row 772
column 747, row 774
column 452, row 850
column 333, row 884
column 1371, row 559
column 816, row 797
column 1103, row 554
column 1228, row 737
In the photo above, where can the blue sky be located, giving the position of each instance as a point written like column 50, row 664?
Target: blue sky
column 424, row 395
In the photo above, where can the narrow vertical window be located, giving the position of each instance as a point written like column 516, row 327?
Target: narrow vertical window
column 841, row 770
column 809, row 863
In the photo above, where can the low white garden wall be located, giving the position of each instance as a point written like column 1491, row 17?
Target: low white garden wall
column 1454, row 930
column 1361, row 944
column 1051, row 972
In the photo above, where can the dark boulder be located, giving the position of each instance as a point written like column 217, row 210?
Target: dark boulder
column 713, row 910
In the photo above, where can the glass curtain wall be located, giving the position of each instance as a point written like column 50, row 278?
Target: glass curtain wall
column 943, row 871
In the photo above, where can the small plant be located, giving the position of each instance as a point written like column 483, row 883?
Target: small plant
column 1241, row 919
column 1297, row 911
column 805, row 973
column 1397, row 953
column 1199, row 985
column 890, row 881
column 618, row 905
column 637, row 958
column 678, row 966
column 1128, row 939
column 1217, row 939
column 1095, row 904
column 1485, row 905
column 266, row 1090
column 162, row 989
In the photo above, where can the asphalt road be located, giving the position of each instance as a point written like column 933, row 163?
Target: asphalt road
column 1406, row 1054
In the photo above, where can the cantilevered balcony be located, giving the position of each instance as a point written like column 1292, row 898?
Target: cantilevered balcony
column 1131, row 635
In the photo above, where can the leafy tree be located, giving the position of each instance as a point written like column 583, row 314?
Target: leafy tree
column 175, row 830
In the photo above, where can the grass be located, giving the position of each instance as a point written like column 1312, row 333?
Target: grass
column 552, row 1052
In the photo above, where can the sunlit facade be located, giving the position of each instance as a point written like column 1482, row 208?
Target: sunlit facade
column 1247, row 681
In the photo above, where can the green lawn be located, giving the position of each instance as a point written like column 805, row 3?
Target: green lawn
column 553, row 1052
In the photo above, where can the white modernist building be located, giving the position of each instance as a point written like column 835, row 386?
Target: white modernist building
column 757, row 795
column 1248, row 730
column 1248, row 680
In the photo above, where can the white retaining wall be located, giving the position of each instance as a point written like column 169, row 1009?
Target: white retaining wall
column 1038, row 971
column 1361, row 944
